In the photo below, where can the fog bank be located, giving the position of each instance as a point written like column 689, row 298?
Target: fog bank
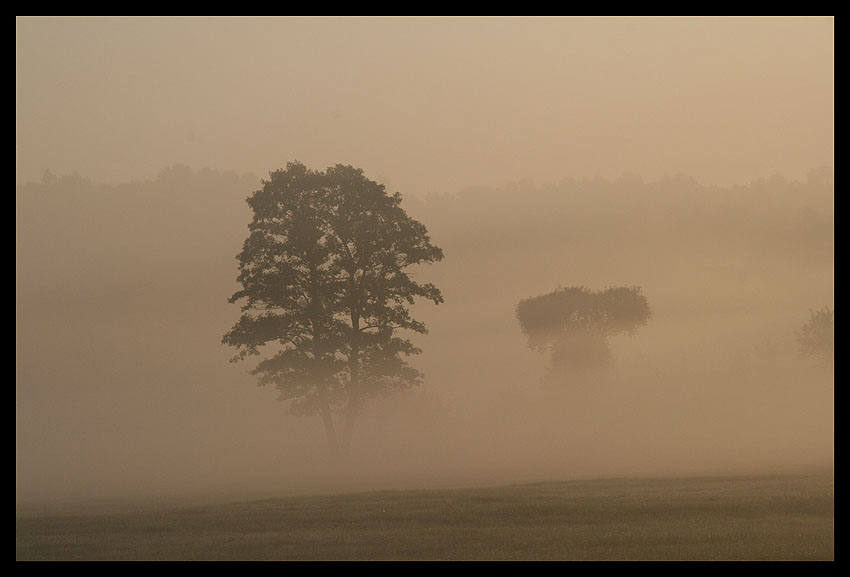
column 123, row 387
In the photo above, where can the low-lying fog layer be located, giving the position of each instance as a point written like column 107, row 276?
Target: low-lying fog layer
column 123, row 387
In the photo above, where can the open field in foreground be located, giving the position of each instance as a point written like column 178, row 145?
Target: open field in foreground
column 779, row 517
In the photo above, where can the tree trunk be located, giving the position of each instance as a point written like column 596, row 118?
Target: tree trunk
column 353, row 406
column 348, row 432
column 315, row 306
column 330, row 432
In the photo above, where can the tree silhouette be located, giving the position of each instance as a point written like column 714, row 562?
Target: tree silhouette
column 817, row 336
column 325, row 277
column 573, row 324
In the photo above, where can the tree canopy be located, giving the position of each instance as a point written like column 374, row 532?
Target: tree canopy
column 327, row 279
column 572, row 324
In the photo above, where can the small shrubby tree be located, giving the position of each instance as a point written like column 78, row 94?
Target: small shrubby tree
column 572, row 325
column 817, row 337
column 326, row 279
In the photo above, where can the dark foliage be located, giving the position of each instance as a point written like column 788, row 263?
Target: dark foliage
column 326, row 280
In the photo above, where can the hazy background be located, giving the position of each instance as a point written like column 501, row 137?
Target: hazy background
column 538, row 151
column 428, row 104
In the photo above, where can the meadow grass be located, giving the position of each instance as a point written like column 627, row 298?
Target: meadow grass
column 779, row 517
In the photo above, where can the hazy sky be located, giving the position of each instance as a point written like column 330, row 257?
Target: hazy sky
column 426, row 103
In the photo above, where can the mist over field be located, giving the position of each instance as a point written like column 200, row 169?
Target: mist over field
column 688, row 156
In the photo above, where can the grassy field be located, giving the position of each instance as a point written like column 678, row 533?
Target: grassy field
column 780, row 517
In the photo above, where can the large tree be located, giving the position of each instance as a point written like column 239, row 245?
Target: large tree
column 327, row 284
column 573, row 324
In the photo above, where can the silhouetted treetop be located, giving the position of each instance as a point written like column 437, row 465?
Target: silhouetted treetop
column 546, row 318
column 572, row 325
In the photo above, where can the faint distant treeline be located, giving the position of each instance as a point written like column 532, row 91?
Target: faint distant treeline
column 73, row 231
column 185, row 223
column 770, row 215
column 672, row 215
